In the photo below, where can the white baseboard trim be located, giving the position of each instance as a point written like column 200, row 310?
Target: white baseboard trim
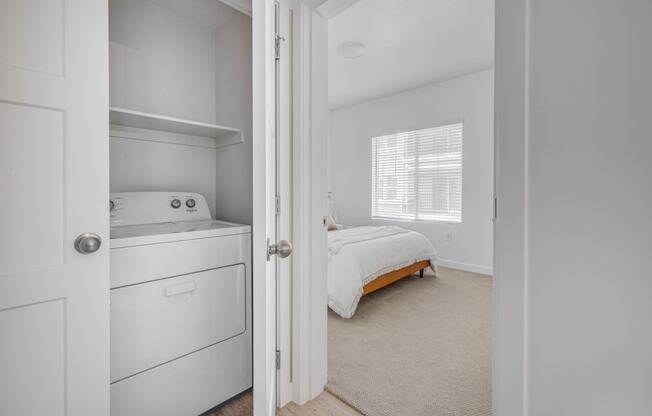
column 473, row 268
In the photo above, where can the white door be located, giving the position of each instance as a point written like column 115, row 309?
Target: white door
column 265, row 131
column 54, row 185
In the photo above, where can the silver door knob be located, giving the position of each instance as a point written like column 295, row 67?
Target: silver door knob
column 282, row 249
column 88, row 243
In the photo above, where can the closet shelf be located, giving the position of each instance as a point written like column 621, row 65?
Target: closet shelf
column 223, row 136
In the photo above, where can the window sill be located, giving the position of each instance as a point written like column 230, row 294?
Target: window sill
column 417, row 221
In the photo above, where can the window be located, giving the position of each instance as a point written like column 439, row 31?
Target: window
column 417, row 175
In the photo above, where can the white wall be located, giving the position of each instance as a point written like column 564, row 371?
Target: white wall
column 590, row 205
column 469, row 98
column 192, row 61
column 162, row 62
column 233, row 100
column 137, row 165
column 588, row 199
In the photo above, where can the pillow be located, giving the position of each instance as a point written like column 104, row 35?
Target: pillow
column 330, row 223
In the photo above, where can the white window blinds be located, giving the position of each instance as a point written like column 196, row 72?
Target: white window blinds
column 417, row 175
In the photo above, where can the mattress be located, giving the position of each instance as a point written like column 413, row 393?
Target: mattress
column 358, row 255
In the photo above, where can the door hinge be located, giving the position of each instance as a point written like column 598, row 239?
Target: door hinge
column 278, row 205
column 278, row 359
column 278, row 38
column 495, row 210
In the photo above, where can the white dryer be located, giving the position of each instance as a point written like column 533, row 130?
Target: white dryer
column 180, row 305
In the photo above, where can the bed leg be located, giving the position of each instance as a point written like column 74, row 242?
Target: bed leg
column 421, row 273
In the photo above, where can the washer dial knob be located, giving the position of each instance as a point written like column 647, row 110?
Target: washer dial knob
column 190, row 203
column 175, row 203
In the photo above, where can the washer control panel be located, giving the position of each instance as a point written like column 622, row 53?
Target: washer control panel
column 129, row 208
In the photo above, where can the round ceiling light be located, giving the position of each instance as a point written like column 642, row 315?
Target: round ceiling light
column 351, row 50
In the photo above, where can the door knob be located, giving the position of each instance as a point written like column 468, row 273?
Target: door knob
column 88, row 243
column 282, row 249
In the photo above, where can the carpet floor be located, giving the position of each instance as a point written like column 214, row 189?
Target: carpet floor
column 419, row 347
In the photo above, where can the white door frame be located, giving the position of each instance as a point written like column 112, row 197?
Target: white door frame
column 303, row 327
column 285, row 205
column 510, row 227
column 510, row 236
column 311, row 319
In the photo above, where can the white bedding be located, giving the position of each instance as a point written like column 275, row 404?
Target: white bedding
column 358, row 255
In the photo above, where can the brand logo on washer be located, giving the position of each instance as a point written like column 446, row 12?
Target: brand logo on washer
column 191, row 210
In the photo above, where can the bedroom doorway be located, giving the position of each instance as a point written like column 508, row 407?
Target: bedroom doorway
column 410, row 205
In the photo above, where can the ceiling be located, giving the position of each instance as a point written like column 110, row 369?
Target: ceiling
column 409, row 43
column 209, row 13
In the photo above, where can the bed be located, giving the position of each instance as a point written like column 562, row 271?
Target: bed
column 362, row 260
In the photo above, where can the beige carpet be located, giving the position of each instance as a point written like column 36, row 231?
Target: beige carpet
column 419, row 347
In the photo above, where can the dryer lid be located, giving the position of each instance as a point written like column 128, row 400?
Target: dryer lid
column 142, row 230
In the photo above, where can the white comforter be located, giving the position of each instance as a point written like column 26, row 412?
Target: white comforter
column 358, row 255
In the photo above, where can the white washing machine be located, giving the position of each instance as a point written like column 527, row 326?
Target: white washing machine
column 180, row 305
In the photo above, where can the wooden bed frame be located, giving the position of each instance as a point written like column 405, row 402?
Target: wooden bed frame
column 391, row 277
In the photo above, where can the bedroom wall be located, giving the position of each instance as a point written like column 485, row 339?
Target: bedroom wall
column 465, row 246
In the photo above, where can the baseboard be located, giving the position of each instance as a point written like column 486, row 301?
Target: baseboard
column 473, row 268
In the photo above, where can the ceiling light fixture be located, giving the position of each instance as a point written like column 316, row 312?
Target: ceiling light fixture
column 351, row 50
